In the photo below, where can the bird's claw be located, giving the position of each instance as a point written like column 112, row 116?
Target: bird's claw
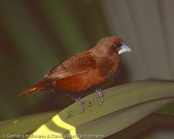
column 81, row 102
column 101, row 95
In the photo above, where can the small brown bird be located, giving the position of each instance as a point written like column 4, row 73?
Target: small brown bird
column 84, row 70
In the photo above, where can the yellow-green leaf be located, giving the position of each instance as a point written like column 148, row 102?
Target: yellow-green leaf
column 123, row 105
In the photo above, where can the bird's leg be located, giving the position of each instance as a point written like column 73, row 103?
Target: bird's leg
column 101, row 95
column 81, row 101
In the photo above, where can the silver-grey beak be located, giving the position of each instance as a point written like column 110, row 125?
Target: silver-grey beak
column 124, row 48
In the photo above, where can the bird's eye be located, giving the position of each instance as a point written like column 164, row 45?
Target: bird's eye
column 114, row 47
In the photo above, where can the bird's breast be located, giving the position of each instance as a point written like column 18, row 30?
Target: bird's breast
column 107, row 66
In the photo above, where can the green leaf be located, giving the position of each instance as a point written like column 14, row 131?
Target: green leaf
column 25, row 124
column 168, row 111
column 123, row 106
column 149, row 125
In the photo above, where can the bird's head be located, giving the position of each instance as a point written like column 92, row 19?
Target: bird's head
column 111, row 47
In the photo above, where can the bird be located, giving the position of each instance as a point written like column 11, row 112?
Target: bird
column 84, row 70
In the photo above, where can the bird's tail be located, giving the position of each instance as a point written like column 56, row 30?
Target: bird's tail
column 39, row 86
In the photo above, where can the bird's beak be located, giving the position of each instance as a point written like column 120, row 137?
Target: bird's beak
column 124, row 48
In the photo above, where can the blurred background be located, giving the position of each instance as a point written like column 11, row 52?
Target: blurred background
column 37, row 35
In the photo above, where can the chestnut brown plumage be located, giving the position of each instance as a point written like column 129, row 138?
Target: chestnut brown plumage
column 85, row 69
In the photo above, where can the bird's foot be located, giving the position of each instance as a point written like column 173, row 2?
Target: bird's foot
column 101, row 95
column 81, row 101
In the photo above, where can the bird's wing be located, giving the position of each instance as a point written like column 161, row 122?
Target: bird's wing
column 77, row 64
